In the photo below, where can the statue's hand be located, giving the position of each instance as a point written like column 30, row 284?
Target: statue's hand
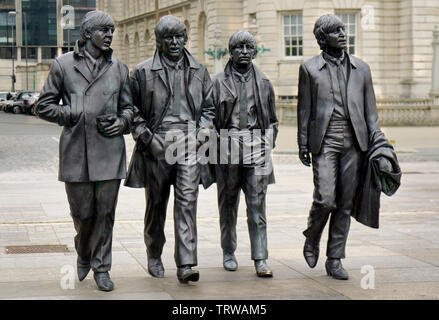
column 304, row 156
column 112, row 129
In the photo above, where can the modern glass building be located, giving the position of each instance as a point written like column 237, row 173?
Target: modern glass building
column 32, row 33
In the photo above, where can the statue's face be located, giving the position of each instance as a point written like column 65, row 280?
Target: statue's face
column 243, row 54
column 336, row 39
column 172, row 44
column 102, row 37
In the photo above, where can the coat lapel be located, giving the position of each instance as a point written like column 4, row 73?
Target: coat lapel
column 259, row 77
column 82, row 68
column 193, row 66
column 157, row 67
column 230, row 88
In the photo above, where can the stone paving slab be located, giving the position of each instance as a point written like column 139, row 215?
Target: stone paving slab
column 404, row 252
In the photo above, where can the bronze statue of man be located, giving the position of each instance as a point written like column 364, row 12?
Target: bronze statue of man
column 172, row 92
column 96, row 111
column 245, row 110
column 337, row 118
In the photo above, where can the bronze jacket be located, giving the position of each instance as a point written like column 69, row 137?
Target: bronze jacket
column 225, row 99
column 150, row 89
column 84, row 154
column 315, row 104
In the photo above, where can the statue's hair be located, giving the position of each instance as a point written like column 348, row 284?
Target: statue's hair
column 241, row 36
column 93, row 20
column 324, row 25
column 169, row 24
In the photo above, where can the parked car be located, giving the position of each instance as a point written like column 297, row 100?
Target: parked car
column 3, row 98
column 18, row 106
column 30, row 103
column 7, row 105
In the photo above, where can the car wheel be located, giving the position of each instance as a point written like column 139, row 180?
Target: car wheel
column 16, row 110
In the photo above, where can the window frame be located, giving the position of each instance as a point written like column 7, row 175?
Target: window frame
column 282, row 26
column 356, row 13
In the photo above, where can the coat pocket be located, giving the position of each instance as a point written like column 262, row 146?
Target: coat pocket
column 77, row 107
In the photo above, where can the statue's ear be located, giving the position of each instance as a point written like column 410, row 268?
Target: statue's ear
column 87, row 34
column 255, row 53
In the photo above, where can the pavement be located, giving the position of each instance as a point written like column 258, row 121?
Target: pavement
column 400, row 260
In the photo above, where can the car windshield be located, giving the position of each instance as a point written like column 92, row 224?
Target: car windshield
column 3, row 95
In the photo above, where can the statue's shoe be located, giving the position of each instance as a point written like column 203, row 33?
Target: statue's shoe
column 335, row 269
column 262, row 270
column 155, row 267
column 229, row 262
column 186, row 274
column 103, row 281
column 311, row 253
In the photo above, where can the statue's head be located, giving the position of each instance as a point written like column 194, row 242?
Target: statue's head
column 171, row 37
column 98, row 28
column 242, row 48
column 330, row 32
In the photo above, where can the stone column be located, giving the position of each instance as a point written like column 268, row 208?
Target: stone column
column 434, row 93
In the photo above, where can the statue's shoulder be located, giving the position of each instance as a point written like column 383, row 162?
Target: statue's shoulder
column 145, row 64
column 66, row 58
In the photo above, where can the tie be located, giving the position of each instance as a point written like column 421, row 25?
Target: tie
column 243, row 113
column 342, row 84
column 177, row 91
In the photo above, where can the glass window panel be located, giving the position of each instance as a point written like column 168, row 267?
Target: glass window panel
column 293, row 30
column 288, row 51
column 299, row 18
column 294, row 42
column 287, row 42
column 294, row 51
column 300, row 51
column 300, row 31
column 286, row 20
column 293, row 19
column 352, row 40
column 352, row 29
column 287, row 31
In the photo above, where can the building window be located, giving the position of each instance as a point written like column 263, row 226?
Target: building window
column 292, row 35
column 350, row 21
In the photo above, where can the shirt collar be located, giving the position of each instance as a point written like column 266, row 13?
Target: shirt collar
column 334, row 60
column 243, row 77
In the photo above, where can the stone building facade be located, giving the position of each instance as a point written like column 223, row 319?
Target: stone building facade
column 393, row 36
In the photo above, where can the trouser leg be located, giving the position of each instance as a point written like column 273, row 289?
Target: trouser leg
column 93, row 207
column 187, row 178
column 348, row 179
column 228, row 187
column 156, row 198
column 106, row 193
column 325, row 180
column 255, row 190
column 80, row 197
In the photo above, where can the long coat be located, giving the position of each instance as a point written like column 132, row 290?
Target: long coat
column 225, row 99
column 150, row 89
column 315, row 102
column 380, row 173
column 84, row 154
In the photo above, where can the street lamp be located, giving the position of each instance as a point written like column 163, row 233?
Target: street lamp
column 12, row 51
column 25, row 44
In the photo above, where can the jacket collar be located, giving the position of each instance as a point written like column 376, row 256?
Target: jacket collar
column 157, row 63
column 322, row 62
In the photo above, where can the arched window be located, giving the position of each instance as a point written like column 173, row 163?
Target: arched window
column 202, row 36
column 147, row 44
column 137, row 48
column 127, row 50
column 188, row 30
